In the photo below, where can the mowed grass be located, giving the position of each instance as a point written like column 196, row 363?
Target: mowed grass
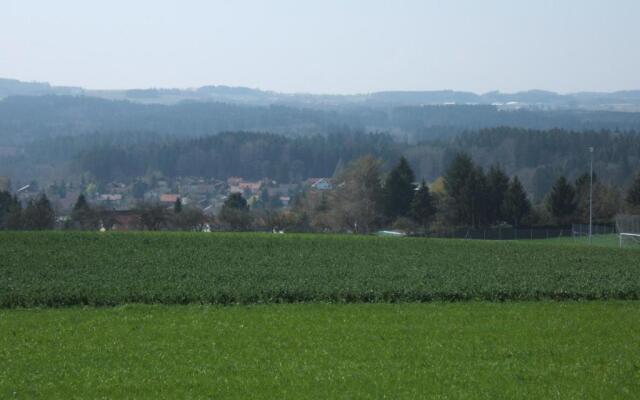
column 63, row 269
column 473, row 350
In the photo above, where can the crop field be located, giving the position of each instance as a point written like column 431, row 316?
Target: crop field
column 212, row 326
column 64, row 269
column 480, row 350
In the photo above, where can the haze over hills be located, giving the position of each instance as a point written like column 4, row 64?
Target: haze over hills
column 50, row 133
column 533, row 99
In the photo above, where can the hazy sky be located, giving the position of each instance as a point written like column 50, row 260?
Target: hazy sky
column 325, row 46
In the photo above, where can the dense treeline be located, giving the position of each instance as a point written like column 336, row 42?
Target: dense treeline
column 250, row 155
column 537, row 157
column 365, row 199
column 26, row 118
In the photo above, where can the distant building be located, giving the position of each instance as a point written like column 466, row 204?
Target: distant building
column 169, row 198
column 109, row 197
column 285, row 200
column 319, row 183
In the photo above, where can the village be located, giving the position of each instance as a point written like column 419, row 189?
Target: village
column 206, row 195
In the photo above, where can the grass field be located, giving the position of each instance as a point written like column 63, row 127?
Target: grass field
column 542, row 350
column 401, row 347
column 61, row 269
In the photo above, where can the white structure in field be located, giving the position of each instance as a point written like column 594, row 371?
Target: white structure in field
column 628, row 227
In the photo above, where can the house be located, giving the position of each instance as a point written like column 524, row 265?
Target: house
column 106, row 198
column 283, row 189
column 285, row 200
column 253, row 187
column 123, row 220
column 319, row 183
column 246, row 187
column 169, row 198
column 234, row 180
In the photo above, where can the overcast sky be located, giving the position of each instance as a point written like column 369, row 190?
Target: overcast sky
column 325, row 46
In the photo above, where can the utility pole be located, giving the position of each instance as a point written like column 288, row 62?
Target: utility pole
column 591, row 197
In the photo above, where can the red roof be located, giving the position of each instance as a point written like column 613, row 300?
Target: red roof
column 169, row 198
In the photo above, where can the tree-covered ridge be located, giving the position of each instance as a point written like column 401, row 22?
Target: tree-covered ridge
column 24, row 118
column 250, row 155
column 536, row 157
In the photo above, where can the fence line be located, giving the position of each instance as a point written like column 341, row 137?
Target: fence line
column 522, row 233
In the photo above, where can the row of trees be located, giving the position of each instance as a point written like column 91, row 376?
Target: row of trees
column 466, row 196
column 365, row 200
column 37, row 215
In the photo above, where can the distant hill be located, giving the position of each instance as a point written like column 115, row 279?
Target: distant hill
column 25, row 118
column 532, row 99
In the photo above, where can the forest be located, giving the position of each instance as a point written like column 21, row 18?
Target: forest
column 25, row 118
column 536, row 157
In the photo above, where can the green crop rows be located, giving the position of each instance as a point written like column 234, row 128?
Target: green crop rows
column 60, row 269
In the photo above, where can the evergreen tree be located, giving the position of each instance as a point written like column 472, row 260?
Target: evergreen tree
column 399, row 190
column 39, row 215
column 516, row 206
column 561, row 202
column 422, row 205
column 13, row 219
column 235, row 212
column 83, row 216
column 497, row 186
column 235, row 201
column 177, row 206
column 138, row 190
column 10, row 211
column 465, row 184
column 81, row 203
column 633, row 194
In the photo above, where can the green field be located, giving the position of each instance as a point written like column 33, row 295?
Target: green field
column 454, row 318
column 62, row 269
column 541, row 350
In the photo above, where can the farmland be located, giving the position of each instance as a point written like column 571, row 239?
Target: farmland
column 66, row 269
column 452, row 319
column 301, row 351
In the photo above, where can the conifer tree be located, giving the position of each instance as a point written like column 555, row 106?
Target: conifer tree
column 422, row 205
column 516, row 205
column 497, row 186
column 177, row 206
column 39, row 214
column 633, row 194
column 561, row 202
column 399, row 190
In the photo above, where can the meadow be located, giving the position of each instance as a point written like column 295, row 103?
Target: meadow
column 479, row 350
column 100, row 269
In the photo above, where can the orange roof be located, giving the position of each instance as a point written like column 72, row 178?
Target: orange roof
column 169, row 198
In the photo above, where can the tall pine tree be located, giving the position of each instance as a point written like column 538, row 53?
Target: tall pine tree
column 561, row 202
column 422, row 205
column 39, row 215
column 466, row 186
column 497, row 186
column 633, row 194
column 516, row 206
column 399, row 190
